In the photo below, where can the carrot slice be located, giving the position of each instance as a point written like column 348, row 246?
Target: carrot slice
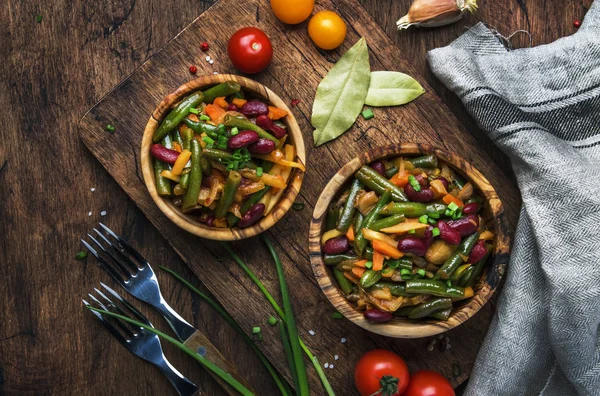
column 276, row 113
column 358, row 271
column 214, row 112
column 221, row 102
column 361, row 263
column 386, row 249
column 377, row 261
column 400, row 179
column 449, row 198
column 350, row 234
column 239, row 102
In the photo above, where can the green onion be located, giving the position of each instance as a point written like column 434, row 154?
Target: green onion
column 435, row 232
column 194, row 110
column 434, row 215
column 369, row 264
column 337, row 315
column 81, row 255
column 208, row 140
column 237, row 156
column 281, row 384
column 423, row 219
column 221, row 130
column 421, row 272
column 457, row 215
column 452, row 206
column 234, row 131
column 414, row 183
column 272, row 320
column 285, row 341
column 255, row 330
column 259, row 171
column 368, row 114
column 204, row 117
column 39, row 18
column 449, row 283
column 432, row 221
column 448, row 213
column 405, row 271
column 110, row 128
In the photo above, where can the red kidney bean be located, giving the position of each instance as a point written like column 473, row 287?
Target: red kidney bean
column 425, row 195
column 267, row 124
column 242, row 139
column 336, row 245
column 232, row 107
column 252, row 215
column 262, row 147
column 254, row 108
column 471, row 208
column 465, row 226
column 447, row 233
column 412, row 245
column 378, row 167
column 444, row 181
column 377, row 316
column 428, row 236
column 422, row 181
column 479, row 250
column 164, row 154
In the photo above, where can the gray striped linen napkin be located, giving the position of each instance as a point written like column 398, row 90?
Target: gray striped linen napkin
column 541, row 106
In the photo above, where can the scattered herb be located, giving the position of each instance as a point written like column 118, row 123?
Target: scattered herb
column 272, row 320
column 204, row 46
column 110, row 128
column 337, row 315
column 234, row 131
column 204, row 117
column 421, row 272
column 298, row 205
column 435, row 232
column 81, row 255
column 193, row 69
column 388, row 88
column 255, row 330
column 39, row 18
column 414, row 183
column 294, row 102
column 424, row 219
column 368, row 114
column 259, row 171
column 194, row 110
column 344, row 87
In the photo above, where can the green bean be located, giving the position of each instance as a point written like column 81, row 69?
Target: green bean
column 413, row 209
column 426, row 161
column 332, row 259
column 331, row 218
column 342, row 281
column 433, row 288
column 202, row 127
column 217, row 154
column 348, row 211
column 479, row 268
column 403, row 311
column 188, row 136
column 359, row 240
column 266, row 166
column 457, row 274
column 390, row 169
column 475, row 198
column 466, row 277
column 185, row 178
column 373, row 180
column 206, row 165
column 243, row 123
column 369, row 253
column 176, row 137
column 397, row 289
column 401, row 263
column 163, row 185
column 176, row 115
column 228, row 195
column 224, row 89
column 389, row 221
column 459, row 181
column 369, row 278
column 190, row 200
column 443, row 314
column 358, row 221
column 456, row 258
column 431, row 306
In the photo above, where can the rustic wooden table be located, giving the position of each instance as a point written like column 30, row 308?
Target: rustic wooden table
column 54, row 70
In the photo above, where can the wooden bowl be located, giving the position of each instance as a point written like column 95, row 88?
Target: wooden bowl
column 191, row 223
column 399, row 327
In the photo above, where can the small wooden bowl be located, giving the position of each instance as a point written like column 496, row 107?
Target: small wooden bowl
column 191, row 223
column 399, row 327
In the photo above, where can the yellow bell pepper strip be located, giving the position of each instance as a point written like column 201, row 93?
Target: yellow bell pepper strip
column 405, row 227
column 269, row 180
column 182, row 159
column 330, row 235
column 379, row 236
column 167, row 173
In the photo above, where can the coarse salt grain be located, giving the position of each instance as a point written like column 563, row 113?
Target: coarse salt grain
column 207, row 58
column 215, row 72
column 343, row 340
column 92, row 189
column 326, row 365
column 331, row 366
column 89, row 214
column 103, row 213
column 211, row 61
column 311, row 332
column 336, row 357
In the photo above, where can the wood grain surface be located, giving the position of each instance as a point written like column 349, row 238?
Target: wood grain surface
column 51, row 73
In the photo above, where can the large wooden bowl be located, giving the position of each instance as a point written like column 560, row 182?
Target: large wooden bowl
column 399, row 327
column 191, row 223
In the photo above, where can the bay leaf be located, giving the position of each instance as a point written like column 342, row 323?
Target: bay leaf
column 388, row 88
column 341, row 94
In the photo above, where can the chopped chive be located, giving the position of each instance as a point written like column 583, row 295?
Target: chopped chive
column 414, row 183
column 272, row 321
column 255, row 330
column 432, row 221
column 369, row 264
column 39, row 18
column 435, row 232
column 298, row 205
column 405, row 271
column 221, row 129
column 453, row 206
column 368, row 114
column 208, row 140
column 194, row 110
column 449, row 283
column 434, row 215
column 336, row 315
column 234, row 131
column 421, row 272
column 238, row 156
column 204, row 117
column 448, row 213
column 259, row 171
column 81, row 255
column 110, row 128
column 423, row 219
column 457, row 215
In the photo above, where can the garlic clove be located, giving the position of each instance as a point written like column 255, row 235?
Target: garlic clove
column 432, row 13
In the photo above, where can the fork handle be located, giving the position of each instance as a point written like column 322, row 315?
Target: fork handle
column 199, row 343
column 181, row 384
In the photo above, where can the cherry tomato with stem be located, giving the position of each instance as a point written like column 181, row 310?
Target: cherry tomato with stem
column 250, row 50
column 428, row 383
column 382, row 373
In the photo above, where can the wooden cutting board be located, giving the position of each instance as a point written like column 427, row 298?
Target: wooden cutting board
column 295, row 72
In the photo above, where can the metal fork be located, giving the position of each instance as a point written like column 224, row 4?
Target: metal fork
column 134, row 273
column 137, row 340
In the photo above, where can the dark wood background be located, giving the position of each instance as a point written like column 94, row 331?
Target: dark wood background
column 51, row 73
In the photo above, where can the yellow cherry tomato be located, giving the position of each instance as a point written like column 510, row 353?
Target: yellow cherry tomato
column 327, row 30
column 292, row 11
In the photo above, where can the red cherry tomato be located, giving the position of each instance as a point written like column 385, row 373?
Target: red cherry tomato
column 381, row 372
column 250, row 50
column 428, row 383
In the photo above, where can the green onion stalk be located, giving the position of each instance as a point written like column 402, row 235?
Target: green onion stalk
column 281, row 384
column 281, row 314
column 202, row 360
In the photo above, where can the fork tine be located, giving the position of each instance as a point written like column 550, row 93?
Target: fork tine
column 120, row 253
column 133, row 310
column 104, row 264
column 113, row 258
column 107, row 324
column 128, row 327
column 128, row 332
column 126, row 246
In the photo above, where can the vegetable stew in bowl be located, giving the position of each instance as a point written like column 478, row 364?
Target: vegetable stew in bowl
column 406, row 237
